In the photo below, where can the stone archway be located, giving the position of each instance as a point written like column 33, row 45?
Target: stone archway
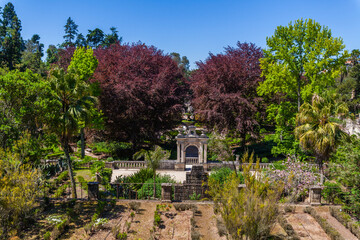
column 191, row 155
column 191, row 147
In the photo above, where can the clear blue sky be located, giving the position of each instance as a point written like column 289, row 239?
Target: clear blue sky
column 190, row 27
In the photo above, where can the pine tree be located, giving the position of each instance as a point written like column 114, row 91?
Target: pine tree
column 11, row 41
column 71, row 32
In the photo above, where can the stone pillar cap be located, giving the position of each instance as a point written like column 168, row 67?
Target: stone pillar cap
column 166, row 184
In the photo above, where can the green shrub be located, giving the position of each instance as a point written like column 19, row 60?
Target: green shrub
column 195, row 196
column 47, row 235
column 121, row 236
column 265, row 160
column 147, row 189
column 185, row 206
column 332, row 193
column 157, row 218
column 82, row 182
column 221, row 175
column 289, row 209
column 61, row 191
column 64, row 176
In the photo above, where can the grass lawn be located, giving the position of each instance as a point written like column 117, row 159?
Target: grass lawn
column 85, row 173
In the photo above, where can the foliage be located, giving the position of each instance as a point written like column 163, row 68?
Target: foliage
column 98, row 168
column 26, row 104
column 220, row 147
column 19, row 189
column 148, row 87
column 249, row 212
column 147, row 189
column 157, row 218
column 318, row 127
column 346, row 169
column 195, row 196
column 135, row 206
column 70, row 32
column 332, row 193
column 10, row 38
column 296, row 175
column 221, row 175
column 224, row 89
column 302, row 58
column 153, row 159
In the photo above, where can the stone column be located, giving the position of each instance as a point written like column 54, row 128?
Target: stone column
column 178, row 153
column 201, row 151
column 315, row 195
column 205, row 153
column 182, row 153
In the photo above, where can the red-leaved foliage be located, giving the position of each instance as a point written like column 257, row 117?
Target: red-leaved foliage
column 65, row 55
column 224, row 88
column 143, row 92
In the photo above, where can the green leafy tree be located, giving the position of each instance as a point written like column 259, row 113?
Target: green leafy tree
column 80, row 41
column 111, row 38
column 95, row 37
column 11, row 41
column 319, row 128
column 252, row 211
column 70, row 32
column 83, row 65
column 75, row 98
column 25, row 100
column 52, row 55
column 153, row 159
column 301, row 59
column 31, row 56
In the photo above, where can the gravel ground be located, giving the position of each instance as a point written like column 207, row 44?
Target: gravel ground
column 179, row 176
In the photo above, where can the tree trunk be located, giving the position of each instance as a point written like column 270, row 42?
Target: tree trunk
column 154, row 184
column 82, row 143
column 71, row 174
column 299, row 93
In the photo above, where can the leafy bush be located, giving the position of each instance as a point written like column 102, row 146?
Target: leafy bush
column 157, row 218
column 332, row 193
column 185, row 206
column 82, row 182
column 121, row 236
column 64, row 176
column 195, row 196
column 47, row 236
column 61, row 191
column 265, row 160
column 221, row 175
column 147, row 189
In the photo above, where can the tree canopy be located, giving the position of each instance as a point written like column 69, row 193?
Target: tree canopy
column 142, row 91
column 224, row 88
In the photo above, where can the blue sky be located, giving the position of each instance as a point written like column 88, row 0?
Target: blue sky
column 190, row 27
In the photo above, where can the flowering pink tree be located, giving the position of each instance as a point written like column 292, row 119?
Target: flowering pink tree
column 297, row 177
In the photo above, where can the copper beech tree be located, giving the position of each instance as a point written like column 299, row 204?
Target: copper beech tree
column 142, row 94
column 224, row 88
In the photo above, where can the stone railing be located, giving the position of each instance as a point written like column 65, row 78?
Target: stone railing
column 126, row 164
column 191, row 160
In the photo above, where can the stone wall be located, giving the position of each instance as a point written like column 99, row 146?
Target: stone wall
column 195, row 183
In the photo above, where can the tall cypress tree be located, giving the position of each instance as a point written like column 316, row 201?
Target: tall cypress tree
column 71, row 32
column 11, row 42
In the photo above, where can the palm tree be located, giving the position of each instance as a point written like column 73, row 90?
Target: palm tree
column 75, row 99
column 319, row 127
column 153, row 159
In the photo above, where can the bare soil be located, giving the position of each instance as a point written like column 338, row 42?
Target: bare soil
column 206, row 223
column 306, row 226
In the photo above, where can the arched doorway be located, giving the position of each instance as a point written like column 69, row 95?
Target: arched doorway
column 192, row 155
